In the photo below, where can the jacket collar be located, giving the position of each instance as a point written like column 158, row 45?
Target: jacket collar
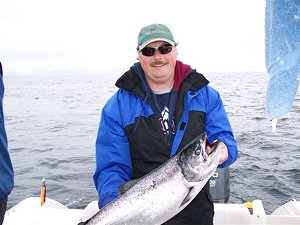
column 185, row 78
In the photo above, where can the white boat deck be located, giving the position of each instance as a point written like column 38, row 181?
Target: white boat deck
column 29, row 212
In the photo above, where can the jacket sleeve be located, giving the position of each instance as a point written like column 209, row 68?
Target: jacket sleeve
column 6, row 168
column 113, row 164
column 217, row 125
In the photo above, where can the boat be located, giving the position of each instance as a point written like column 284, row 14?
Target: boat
column 30, row 211
column 43, row 211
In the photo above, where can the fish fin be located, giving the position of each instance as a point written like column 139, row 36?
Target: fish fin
column 188, row 197
column 127, row 185
column 89, row 212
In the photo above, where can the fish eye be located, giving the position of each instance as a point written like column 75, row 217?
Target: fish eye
column 197, row 152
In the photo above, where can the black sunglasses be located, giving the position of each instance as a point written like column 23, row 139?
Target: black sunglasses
column 149, row 51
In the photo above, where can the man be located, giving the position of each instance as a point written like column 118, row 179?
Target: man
column 161, row 105
column 6, row 169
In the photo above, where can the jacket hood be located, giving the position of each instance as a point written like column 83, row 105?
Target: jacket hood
column 181, row 71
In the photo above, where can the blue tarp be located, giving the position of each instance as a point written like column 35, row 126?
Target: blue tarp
column 282, row 52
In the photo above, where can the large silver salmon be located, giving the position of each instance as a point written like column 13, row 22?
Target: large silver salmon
column 164, row 192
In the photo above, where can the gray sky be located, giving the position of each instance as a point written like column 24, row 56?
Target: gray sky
column 46, row 35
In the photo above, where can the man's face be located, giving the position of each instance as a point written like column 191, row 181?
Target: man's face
column 159, row 69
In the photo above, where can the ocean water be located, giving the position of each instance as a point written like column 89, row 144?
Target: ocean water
column 52, row 123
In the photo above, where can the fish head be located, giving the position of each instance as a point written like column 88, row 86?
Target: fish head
column 195, row 162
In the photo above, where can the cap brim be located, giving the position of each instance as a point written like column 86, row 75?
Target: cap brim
column 155, row 39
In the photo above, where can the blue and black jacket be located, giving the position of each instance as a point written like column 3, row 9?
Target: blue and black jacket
column 6, row 169
column 130, row 142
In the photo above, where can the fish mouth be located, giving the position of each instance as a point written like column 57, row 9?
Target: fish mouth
column 211, row 148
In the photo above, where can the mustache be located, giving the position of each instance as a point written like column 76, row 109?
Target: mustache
column 158, row 62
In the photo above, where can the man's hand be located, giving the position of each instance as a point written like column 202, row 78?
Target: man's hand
column 223, row 151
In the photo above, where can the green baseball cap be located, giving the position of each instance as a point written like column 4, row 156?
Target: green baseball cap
column 154, row 32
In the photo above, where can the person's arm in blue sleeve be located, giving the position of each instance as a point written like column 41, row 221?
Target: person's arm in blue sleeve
column 218, row 127
column 113, row 164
